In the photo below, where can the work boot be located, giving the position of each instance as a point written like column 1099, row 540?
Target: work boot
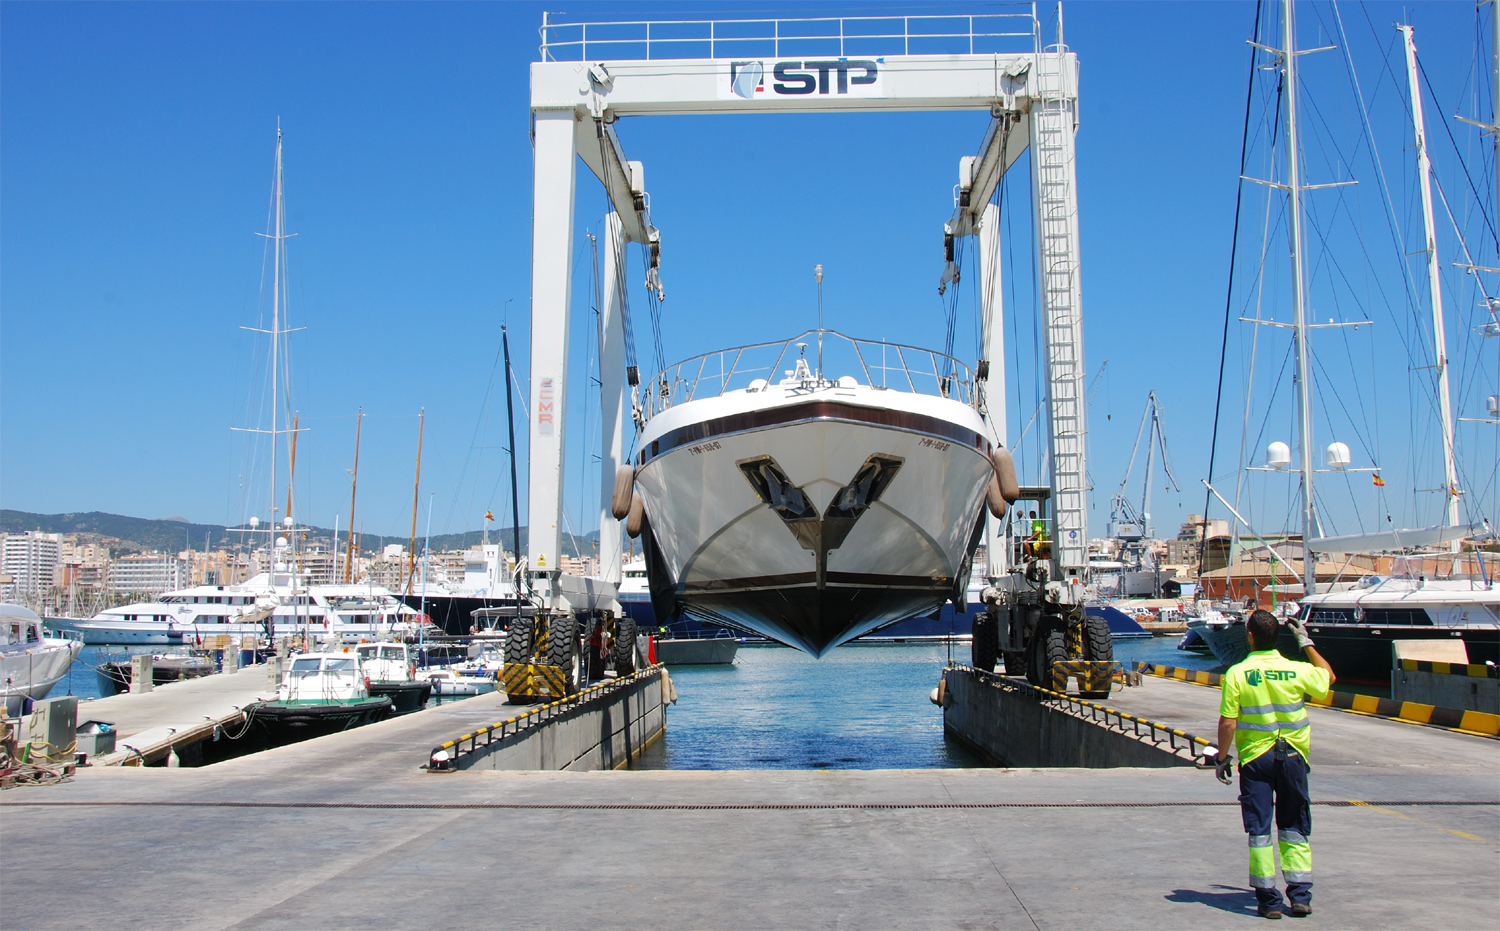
column 1300, row 909
column 1269, row 911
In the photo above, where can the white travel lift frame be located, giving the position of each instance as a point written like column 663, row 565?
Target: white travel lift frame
column 1032, row 98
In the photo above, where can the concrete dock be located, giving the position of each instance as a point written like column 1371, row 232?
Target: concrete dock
column 150, row 725
column 346, row 831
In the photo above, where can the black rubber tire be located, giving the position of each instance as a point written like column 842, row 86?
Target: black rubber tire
column 563, row 650
column 984, row 649
column 1015, row 663
column 518, row 641
column 1048, row 645
column 1098, row 646
column 624, row 646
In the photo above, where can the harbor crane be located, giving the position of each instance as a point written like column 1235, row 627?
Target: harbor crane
column 998, row 64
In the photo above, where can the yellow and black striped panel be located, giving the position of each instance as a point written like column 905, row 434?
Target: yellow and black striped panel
column 534, row 680
column 1470, row 722
column 1092, row 676
column 1476, row 670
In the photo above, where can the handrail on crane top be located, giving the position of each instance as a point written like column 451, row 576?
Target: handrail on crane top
column 733, row 36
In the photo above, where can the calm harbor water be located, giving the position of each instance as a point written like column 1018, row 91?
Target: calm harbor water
column 863, row 706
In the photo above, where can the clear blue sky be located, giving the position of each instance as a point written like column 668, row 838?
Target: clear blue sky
column 136, row 143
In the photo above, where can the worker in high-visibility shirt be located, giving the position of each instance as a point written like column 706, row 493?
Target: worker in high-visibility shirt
column 1262, row 712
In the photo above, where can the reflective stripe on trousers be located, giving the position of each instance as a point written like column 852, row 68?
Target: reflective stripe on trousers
column 1262, row 862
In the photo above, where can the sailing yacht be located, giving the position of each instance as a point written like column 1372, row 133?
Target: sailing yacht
column 1458, row 597
column 812, row 510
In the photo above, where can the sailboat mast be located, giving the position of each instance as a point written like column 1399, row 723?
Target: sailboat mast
column 1299, row 295
column 275, row 331
column 411, row 561
column 515, row 504
column 359, row 420
column 1434, row 283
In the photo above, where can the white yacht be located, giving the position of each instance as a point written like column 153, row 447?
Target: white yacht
column 186, row 616
column 812, row 510
column 451, row 604
column 31, row 662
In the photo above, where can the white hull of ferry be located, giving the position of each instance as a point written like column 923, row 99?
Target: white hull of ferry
column 810, row 574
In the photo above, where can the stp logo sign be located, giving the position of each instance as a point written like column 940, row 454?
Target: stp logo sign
column 838, row 77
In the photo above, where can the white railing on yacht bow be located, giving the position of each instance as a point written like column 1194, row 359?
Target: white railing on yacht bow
column 869, row 362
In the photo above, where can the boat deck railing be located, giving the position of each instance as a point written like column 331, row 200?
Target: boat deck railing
column 869, row 362
column 1015, row 29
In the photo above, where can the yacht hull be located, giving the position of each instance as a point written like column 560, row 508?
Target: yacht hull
column 815, row 522
column 32, row 672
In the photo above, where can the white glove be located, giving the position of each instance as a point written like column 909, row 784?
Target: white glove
column 1299, row 629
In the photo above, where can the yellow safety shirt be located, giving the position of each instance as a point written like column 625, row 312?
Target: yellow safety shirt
column 1266, row 692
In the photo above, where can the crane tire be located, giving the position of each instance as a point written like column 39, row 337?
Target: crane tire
column 1049, row 645
column 562, row 649
column 624, row 646
column 518, row 641
column 1098, row 646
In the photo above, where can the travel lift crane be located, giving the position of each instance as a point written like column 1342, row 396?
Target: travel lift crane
column 1035, row 618
column 573, row 626
column 1131, row 527
column 1035, row 601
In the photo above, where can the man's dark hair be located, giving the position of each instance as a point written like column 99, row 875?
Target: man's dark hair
column 1261, row 628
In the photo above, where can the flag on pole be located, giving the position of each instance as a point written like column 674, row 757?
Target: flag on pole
column 490, row 515
column 1379, row 482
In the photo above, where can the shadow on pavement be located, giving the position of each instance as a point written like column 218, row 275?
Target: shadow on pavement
column 1233, row 899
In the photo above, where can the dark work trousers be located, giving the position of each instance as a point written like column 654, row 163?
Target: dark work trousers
column 1276, row 783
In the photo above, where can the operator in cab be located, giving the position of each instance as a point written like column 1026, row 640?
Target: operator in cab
column 1263, row 712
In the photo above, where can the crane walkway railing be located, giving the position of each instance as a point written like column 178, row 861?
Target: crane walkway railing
column 1017, row 30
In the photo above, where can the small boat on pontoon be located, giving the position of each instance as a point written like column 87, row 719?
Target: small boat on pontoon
column 391, row 672
column 320, row 694
column 812, row 510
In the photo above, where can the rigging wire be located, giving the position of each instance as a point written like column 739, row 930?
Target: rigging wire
column 1229, row 292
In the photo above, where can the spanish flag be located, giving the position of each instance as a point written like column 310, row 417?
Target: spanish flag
column 1379, row 482
column 490, row 515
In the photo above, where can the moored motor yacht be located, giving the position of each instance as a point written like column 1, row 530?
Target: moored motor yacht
column 31, row 662
column 267, row 603
column 1353, row 629
column 812, row 510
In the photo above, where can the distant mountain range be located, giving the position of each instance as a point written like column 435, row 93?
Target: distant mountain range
column 174, row 534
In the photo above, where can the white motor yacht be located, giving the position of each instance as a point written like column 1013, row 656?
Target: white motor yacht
column 186, row 616
column 812, row 510
column 31, row 662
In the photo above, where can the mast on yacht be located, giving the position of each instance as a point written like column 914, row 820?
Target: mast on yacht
column 1434, row 283
column 1299, row 296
